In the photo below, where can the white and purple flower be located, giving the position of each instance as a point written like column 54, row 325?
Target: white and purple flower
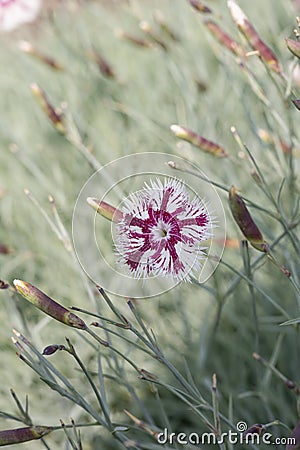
column 15, row 12
column 162, row 231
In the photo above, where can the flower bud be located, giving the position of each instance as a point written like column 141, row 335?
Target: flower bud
column 133, row 39
column 146, row 28
column 245, row 221
column 296, row 103
column 200, row 7
column 4, row 285
column 48, row 305
column 198, row 141
column 165, row 28
column 243, row 24
column 18, row 435
column 28, row 48
column 4, row 249
column 255, row 430
column 53, row 348
column 293, row 46
column 224, row 39
column 104, row 67
column 55, row 116
column 105, row 209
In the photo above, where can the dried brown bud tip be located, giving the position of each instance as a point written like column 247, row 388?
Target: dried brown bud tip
column 290, row 385
column 48, row 305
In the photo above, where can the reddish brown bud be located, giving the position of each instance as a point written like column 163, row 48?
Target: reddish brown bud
column 146, row 28
column 199, row 141
column 4, row 285
column 265, row 53
column 296, row 103
column 165, row 28
column 28, row 48
column 290, row 385
column 105, row 209
column 293, row 46
column 4, row 249
column 48, row 305
column 245, row 221
column 133, row 39
column 256, row 429
column 18, row 435
column 104, row 67
column 224, row 38
column 54, row 115
column 145, row 375
column 51, row 349
column 199, row 6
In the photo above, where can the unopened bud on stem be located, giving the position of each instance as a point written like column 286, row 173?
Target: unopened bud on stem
column 105, row 209
column 245, row 222
column 55, row 116
column 18, row 435
column 48, row 305
column 198, row 141
column 243, row 24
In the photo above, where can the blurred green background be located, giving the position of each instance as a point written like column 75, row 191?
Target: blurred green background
column 194, row 82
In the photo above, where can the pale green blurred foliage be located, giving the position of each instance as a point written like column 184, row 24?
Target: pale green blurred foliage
column 132, row 113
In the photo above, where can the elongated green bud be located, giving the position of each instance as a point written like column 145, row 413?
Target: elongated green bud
column 18, row 435
column 243, row 24
column 105, row 209
column 293, row 46
column 245, row 222
column 199, row 141
column 48, row 305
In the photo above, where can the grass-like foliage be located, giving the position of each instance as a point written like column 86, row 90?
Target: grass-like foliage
column 90, row 82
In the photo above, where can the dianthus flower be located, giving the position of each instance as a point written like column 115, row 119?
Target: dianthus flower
column 162, row 231
column 15, row 12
